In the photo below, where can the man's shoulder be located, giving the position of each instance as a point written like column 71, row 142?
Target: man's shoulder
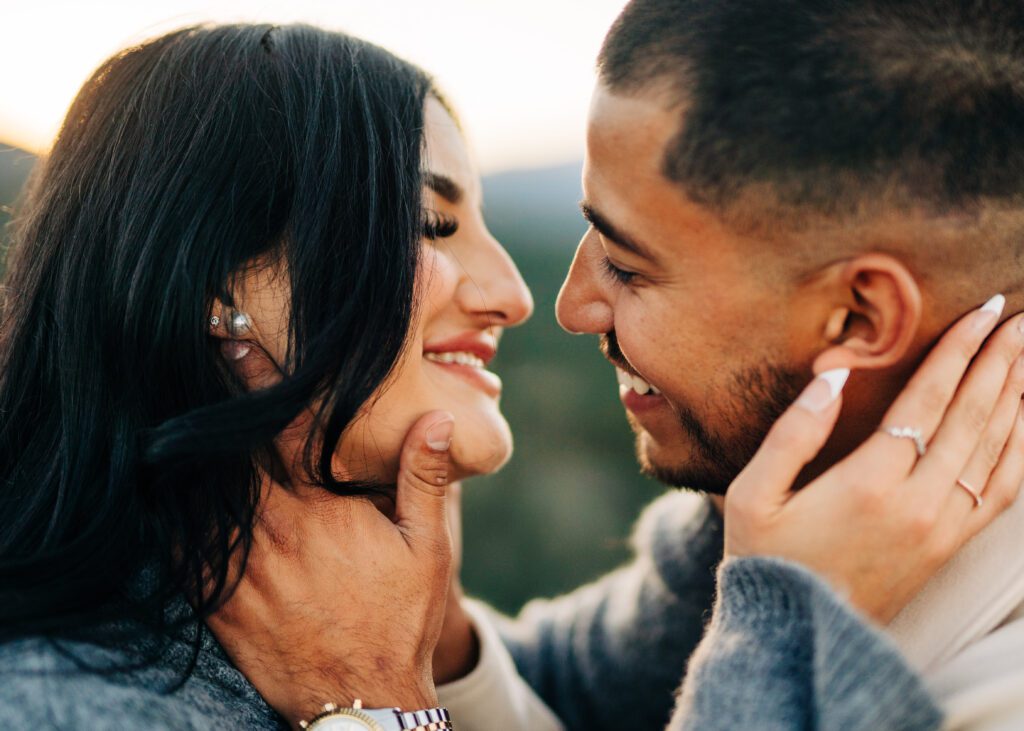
column 75, row 685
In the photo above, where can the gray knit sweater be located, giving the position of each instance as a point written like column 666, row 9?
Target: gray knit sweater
column 782, row 652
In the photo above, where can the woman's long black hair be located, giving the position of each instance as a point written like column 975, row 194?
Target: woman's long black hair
column 125, row 445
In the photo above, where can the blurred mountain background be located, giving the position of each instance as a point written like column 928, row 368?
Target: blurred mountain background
column 560, row 512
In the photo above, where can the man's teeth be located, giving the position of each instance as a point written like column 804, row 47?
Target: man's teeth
column 466, row 359
column 636, row 383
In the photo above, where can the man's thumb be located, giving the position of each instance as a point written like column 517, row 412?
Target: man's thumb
column 422, row 485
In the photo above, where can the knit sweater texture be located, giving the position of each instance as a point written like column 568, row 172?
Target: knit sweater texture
column 629, row 651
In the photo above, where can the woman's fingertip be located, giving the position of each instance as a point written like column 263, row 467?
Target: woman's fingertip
column 836, row 380
column 823, row 390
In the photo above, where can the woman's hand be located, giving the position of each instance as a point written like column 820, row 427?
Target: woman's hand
column 339, row 603
column 881, row 522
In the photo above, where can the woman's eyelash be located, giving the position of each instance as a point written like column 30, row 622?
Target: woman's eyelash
column 437, row 225
column 619, row 275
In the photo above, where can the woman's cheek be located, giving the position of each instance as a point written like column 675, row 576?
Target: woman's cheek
column 438, row 279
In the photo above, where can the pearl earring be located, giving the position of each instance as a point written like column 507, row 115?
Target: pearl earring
column 239, row 324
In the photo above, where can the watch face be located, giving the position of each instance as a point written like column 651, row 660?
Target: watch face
column 345, row 723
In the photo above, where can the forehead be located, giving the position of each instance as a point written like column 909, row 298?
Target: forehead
column 627, row 136
column 445, row 149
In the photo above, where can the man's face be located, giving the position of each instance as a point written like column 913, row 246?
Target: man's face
column 704, row 315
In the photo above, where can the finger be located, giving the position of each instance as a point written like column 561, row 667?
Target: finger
column 421, row 496
column 1004, row 485
column 989, row 449
column 960, row 432
column 923, row 403
column 793, row 441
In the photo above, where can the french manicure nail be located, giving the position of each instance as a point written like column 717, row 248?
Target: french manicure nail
column 989, row 312
column 824, row 390
column 439, row 435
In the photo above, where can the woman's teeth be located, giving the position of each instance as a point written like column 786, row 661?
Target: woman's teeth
column 466, row 359
column 636, row 383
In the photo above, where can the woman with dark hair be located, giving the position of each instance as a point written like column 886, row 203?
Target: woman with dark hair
column 246, row 282
column 132, row 459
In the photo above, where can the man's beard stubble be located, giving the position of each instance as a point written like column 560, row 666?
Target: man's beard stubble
column 754, row 401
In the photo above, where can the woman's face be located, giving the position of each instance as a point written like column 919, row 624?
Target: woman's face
column 468, row 292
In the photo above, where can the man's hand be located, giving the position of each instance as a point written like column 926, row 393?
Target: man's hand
column 458, row 649
column 337, row 602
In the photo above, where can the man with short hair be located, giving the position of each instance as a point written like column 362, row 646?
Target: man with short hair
column 773, row 186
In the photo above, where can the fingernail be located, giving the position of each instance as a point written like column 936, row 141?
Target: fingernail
column 439, row 435
column 989, row 312
column 824, row 390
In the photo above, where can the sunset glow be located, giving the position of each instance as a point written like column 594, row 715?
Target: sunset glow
column 520, row 73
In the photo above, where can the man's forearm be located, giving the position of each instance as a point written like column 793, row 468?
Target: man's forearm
column 615, row 650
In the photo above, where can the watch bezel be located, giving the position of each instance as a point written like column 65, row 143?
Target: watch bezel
column 372, row 723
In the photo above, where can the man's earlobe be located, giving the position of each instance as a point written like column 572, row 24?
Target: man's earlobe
column 880, row 315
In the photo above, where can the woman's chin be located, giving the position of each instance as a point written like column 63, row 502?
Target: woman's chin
column 482, row 452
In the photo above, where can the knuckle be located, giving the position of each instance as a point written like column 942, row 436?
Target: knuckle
column 1002, row 497
column 872, row 498
column 933, row 399
column 967, row 347
column 990, row 450
column 921, row 522
column 975, row 416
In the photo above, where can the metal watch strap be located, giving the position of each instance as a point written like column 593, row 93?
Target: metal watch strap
column 430, row 719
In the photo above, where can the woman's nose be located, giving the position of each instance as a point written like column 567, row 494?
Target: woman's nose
column 494, row 288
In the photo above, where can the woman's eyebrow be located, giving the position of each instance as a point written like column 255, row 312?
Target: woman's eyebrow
column 444, row 186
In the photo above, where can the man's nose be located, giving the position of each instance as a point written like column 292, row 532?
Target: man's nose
column 582, row 305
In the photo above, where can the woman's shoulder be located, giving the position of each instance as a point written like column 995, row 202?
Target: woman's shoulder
column 73, row 685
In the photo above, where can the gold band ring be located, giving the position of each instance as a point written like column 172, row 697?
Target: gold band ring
column 973, row 491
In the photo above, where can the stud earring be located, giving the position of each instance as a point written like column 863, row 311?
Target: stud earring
column 214, row 321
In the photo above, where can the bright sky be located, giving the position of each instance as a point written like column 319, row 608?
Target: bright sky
column 520, row 72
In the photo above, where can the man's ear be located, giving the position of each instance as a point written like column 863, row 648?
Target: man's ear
column 876, row 316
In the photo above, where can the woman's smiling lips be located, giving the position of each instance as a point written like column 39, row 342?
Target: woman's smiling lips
column 467, row 356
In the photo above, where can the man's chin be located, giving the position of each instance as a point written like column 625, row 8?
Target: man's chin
column 682, row 469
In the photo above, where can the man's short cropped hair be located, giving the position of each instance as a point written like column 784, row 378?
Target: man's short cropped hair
column 830, row 100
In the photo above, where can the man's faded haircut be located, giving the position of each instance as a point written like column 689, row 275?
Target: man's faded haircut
column 829, row 101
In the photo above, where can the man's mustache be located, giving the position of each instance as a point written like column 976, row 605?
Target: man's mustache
column 609, row 345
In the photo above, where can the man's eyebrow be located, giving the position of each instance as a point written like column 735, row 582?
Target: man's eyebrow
column 610, row 232
column 444, row 186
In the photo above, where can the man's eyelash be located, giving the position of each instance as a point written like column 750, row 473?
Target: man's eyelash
column 618, row 275
column 437, row 225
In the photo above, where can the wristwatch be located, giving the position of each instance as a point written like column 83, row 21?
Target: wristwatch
column 357, row 718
